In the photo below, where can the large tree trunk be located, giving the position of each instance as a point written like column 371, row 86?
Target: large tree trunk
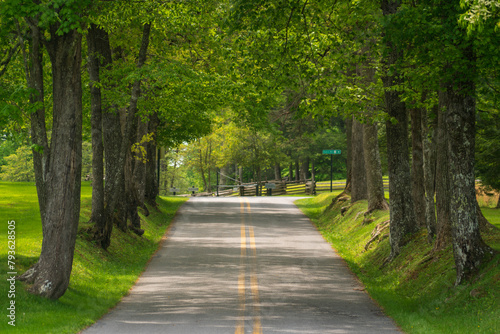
column 443, row 223
column 348, row 131
column 375, row 183
column 417, row 168
column 304, row 169
column 297, row 169
column 359, row 189
column 135, row 168
column 152, row 187
column 429, row 147
column 131, row 192
column 140, row 159
column 277, row 171
column 51, row 274
column 95, row 38
column 313, row 171
column 34, row 77
column 106, row 137
column 400, row 190
column 468, row 246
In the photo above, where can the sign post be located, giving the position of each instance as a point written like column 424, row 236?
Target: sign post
column 331, row 153
column 174, row 190
column 193, row 189
column 270, row 187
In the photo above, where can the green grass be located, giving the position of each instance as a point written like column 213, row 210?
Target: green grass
column 99, row 279
column 417, row 288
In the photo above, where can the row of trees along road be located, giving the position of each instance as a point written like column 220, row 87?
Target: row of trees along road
column 160, row 73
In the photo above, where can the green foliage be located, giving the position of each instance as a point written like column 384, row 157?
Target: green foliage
column 7, row 147
column 480, row 13
column 66, row 15
column 19, row 166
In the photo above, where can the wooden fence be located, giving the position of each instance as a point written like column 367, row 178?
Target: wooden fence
column 284, row 188
column 270, row 188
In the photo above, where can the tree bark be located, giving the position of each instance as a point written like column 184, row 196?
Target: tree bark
column 359, row 189
column 304, row 169
column 131, row 191
column 313, row 171
column 140, row 160
column 400, row 190
column 34, row 78
column 277, row 171
column 152, row 187
column 443, row 223
column 297, row 170
column 375, row 183
column 468, row 247
column 51, row 274
column 348, row 131
column 95, row 38
column 106, row 139
column 417, row 168
column 429, row 148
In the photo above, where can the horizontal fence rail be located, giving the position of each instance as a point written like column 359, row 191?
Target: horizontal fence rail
column 307, row 187
column 304, row 187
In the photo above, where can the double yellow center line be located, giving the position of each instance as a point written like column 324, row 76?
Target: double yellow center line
column 254, row 284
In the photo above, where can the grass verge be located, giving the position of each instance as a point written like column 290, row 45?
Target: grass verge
column 417, row 288
column 99, row 279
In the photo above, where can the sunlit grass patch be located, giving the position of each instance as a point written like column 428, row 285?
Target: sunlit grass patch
column 99, row 279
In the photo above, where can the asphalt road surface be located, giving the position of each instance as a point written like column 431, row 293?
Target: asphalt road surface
column 245, row 265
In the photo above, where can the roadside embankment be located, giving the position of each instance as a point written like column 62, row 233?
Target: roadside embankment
column 417, row 288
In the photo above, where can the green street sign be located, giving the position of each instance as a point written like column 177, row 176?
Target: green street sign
column 331, row 151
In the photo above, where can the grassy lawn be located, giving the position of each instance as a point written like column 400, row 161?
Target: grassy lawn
column 99, row 278
column 416, row 289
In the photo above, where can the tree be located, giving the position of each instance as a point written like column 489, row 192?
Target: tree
column 97, row 42
column 359, row 188
column 400, row 189
column 57, row 168
column 375, row 185
column 417, row 168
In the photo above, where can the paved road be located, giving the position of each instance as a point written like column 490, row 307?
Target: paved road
column 245, row 265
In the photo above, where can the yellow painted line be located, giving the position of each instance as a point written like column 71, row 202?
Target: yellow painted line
column 254, row 284
column 240, row 324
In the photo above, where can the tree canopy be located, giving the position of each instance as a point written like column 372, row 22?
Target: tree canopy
column 254, row 89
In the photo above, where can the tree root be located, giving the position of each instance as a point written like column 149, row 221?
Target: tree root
column 29, row 275
column 377, row 232
column 344, row 209
column 357, row 215
column 342, row 197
